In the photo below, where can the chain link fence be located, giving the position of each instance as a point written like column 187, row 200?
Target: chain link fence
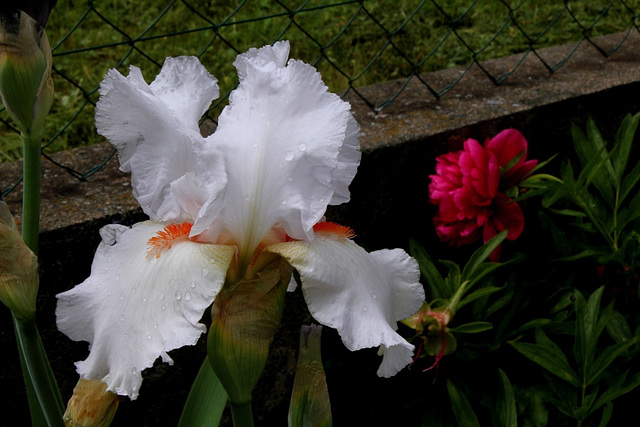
column 353, row 43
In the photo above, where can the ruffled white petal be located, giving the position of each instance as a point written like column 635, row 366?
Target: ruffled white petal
column 135, row 308
column 362, row 295
column 155, row 129
column 290, row 148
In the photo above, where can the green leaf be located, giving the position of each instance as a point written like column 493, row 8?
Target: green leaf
column 506, row 403
column 429, row 271
column 606, row 358
column 586, row 408
column 608, row 176
column 37, row 371
column 206, row 401
column 481, row 255
column 586, row 328
column 594, row 158
column 453, row 280
column 472, row 328
column 461, row 407
column 569, row 212
column 629, row 182
column 530, row 325
column 622, row 148
column 606, row 414
column 617, row 328
column 616, row 391
column 548, row 355
column 480, row 293
column 630, row 214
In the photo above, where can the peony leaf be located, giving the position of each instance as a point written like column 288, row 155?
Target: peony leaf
column 472, row 328
column 480, row 256
column 622, row 148
column 606, row 358
column 429, row 271
column 547, row 354
column 461, row 407
column 506, row 403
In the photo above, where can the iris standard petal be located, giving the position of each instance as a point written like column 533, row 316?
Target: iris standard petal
column 155, row 129
column 138, row 305
column 290, row 147
column 362, row 295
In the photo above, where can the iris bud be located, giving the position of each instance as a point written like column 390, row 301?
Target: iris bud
column 310, row 405
column 245, row 317
column 26, row 87
column 91, row 405
column 18, row 269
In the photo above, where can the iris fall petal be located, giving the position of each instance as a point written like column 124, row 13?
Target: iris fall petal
column 362, row 295
column 136, row 307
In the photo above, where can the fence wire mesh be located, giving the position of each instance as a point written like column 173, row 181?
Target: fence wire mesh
column 353, row 43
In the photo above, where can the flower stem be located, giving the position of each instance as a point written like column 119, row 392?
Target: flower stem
column 38, row 372
column 241, row 414
column 31, row 192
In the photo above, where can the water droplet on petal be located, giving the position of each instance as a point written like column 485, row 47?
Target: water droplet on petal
column 288, row 156
column 133, row 290
column 365, row 309
column 164, row 306
column 122, row 296
column 178, row 295
column 283, row 201
column 187, row 296
column 117, row 277
column 302, row 147
column 122, row 317
column 172, row 283
column 134, row 371
column 155, row 326
column 148, row 337
column 204, row 272
column 374, row 296
column 162, row 296
column 193, row 285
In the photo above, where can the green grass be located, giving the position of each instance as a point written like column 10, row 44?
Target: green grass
column 348, row 41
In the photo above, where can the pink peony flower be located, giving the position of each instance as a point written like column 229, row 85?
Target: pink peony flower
column 470, row 188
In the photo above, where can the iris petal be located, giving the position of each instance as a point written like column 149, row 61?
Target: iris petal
column 134, row 308
column 155, row 129
column 362, row 295
column 290, row 148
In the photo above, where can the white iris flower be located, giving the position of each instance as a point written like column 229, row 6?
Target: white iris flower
column 284, row 149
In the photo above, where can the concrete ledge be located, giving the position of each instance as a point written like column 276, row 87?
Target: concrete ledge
column 388, row 206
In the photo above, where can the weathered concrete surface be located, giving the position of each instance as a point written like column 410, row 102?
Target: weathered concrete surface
column 388, row 206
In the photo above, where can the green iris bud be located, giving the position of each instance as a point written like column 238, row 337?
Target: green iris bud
column 26, row 87
column 310, row 405
column 245, row 317
column 18, row 269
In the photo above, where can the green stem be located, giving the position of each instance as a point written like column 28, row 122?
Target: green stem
column 31, row 190
column 38, row 371
column 241, row 414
